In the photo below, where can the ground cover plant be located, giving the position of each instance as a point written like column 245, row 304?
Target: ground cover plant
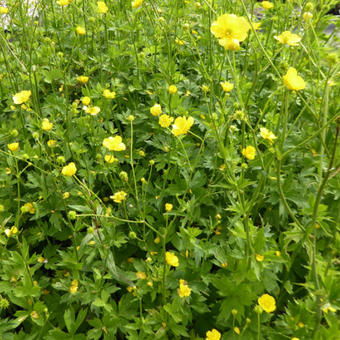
column 169, row 170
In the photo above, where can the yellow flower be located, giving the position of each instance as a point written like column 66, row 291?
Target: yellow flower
column 46, row 125
column 22, row 97
column 227, row 86
column 80, row 30
column 110, row 159
column 182, row 125
column 28, row 208
column 3, row 10
column 292, row 81
column 288, row 38
column 83, row 79
column 86, row 100
column 74, row 286
column 205, row 88
column 230, row 30
column 184, row 290
column 69, row 170
column 108, row 94
column 64, row 2
column 172, row 89
column 13, row 146
column 237, row 330
column 102, row 8
column 136, row 3
column 267, row 302
column 119, row 196
column 295, row 338
column 267, row 5
column 267, row 134
column 214, row 334
column 171, row 259
column 156, row 110
column 168, row 207
column 93, row 110
column 141, row 275
column 51, row 143
column 307, row 16
column 165, row 121
column 249, row 152
column 114, row 143
column 11, row 232
column 157, row 240
column 66, row 195
column 259, row 257
column 256, row 25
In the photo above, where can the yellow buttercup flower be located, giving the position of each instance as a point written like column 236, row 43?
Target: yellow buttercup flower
column 114, row 143
column 259, row 257
column 267, row 134
column 165, row 121
column 182, row 125
column 168, row 207
column 267, row 302
column 11, row 232
column 136, row 3
column 13, row 146
column 214, row 334
column 256, row 25
column 110, row 159
column 227, row 86
column 102, row 8
column 172, row 89
column 93, row 110
column 28, row 208
column 46, row 125
column 267, row 4
column 69, row 170
column 51, row 143
column 74, row 286
column 292, row 81
column 307, row 16
column 237, row 330
column 119, row 196
column 86, row 100
column 184, row 290
column 141, row 275
column 108, row 94
column 64, row 2
column 249, row 152
column 288, row 38
column 156, row 110
column 3, row 10
column 230, row 30
column 171, row 259
column 22, row 97
column 83, row 79
column 80, row 30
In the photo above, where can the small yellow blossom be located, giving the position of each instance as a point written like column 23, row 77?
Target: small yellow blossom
column 150, row 283
column 168, row 207
column 102, row 8
column 256, row 25
column 328, row 308
column 28, row 208
column 11, row 232
column 205, row 88
column 69, row 170
column 51, row 143
column 171, row 259
column 157, row 240
column 141, row 275
column 93, row 110
column 108, row 94
column 249, row 152
column 80, row 30
column 13, row 146
column 64, row 2
column 227, row 86
column 267, row 302
column 267, row 134
column 114, row 143
column 259, row 257
column 288, row 38
column 277, row 253
column 307, row 16
column 22, row 97
column 165, row 121
column 292, row 81
column 66, row 195
column 237, row 330
column 267, row 5
column 182, row 125
column 41, row 259
column 3, row 10
column 110, row 159
column 83, row 79
column 136, row 3
column 214, row 334
column 172, row 89
column 295, row 338
column 34, row 315
column 46, row 125
column 156, row 110
column 119, row 196
column 230, row 30
column 184, row 290
column 86, row 100
column 74, row 286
